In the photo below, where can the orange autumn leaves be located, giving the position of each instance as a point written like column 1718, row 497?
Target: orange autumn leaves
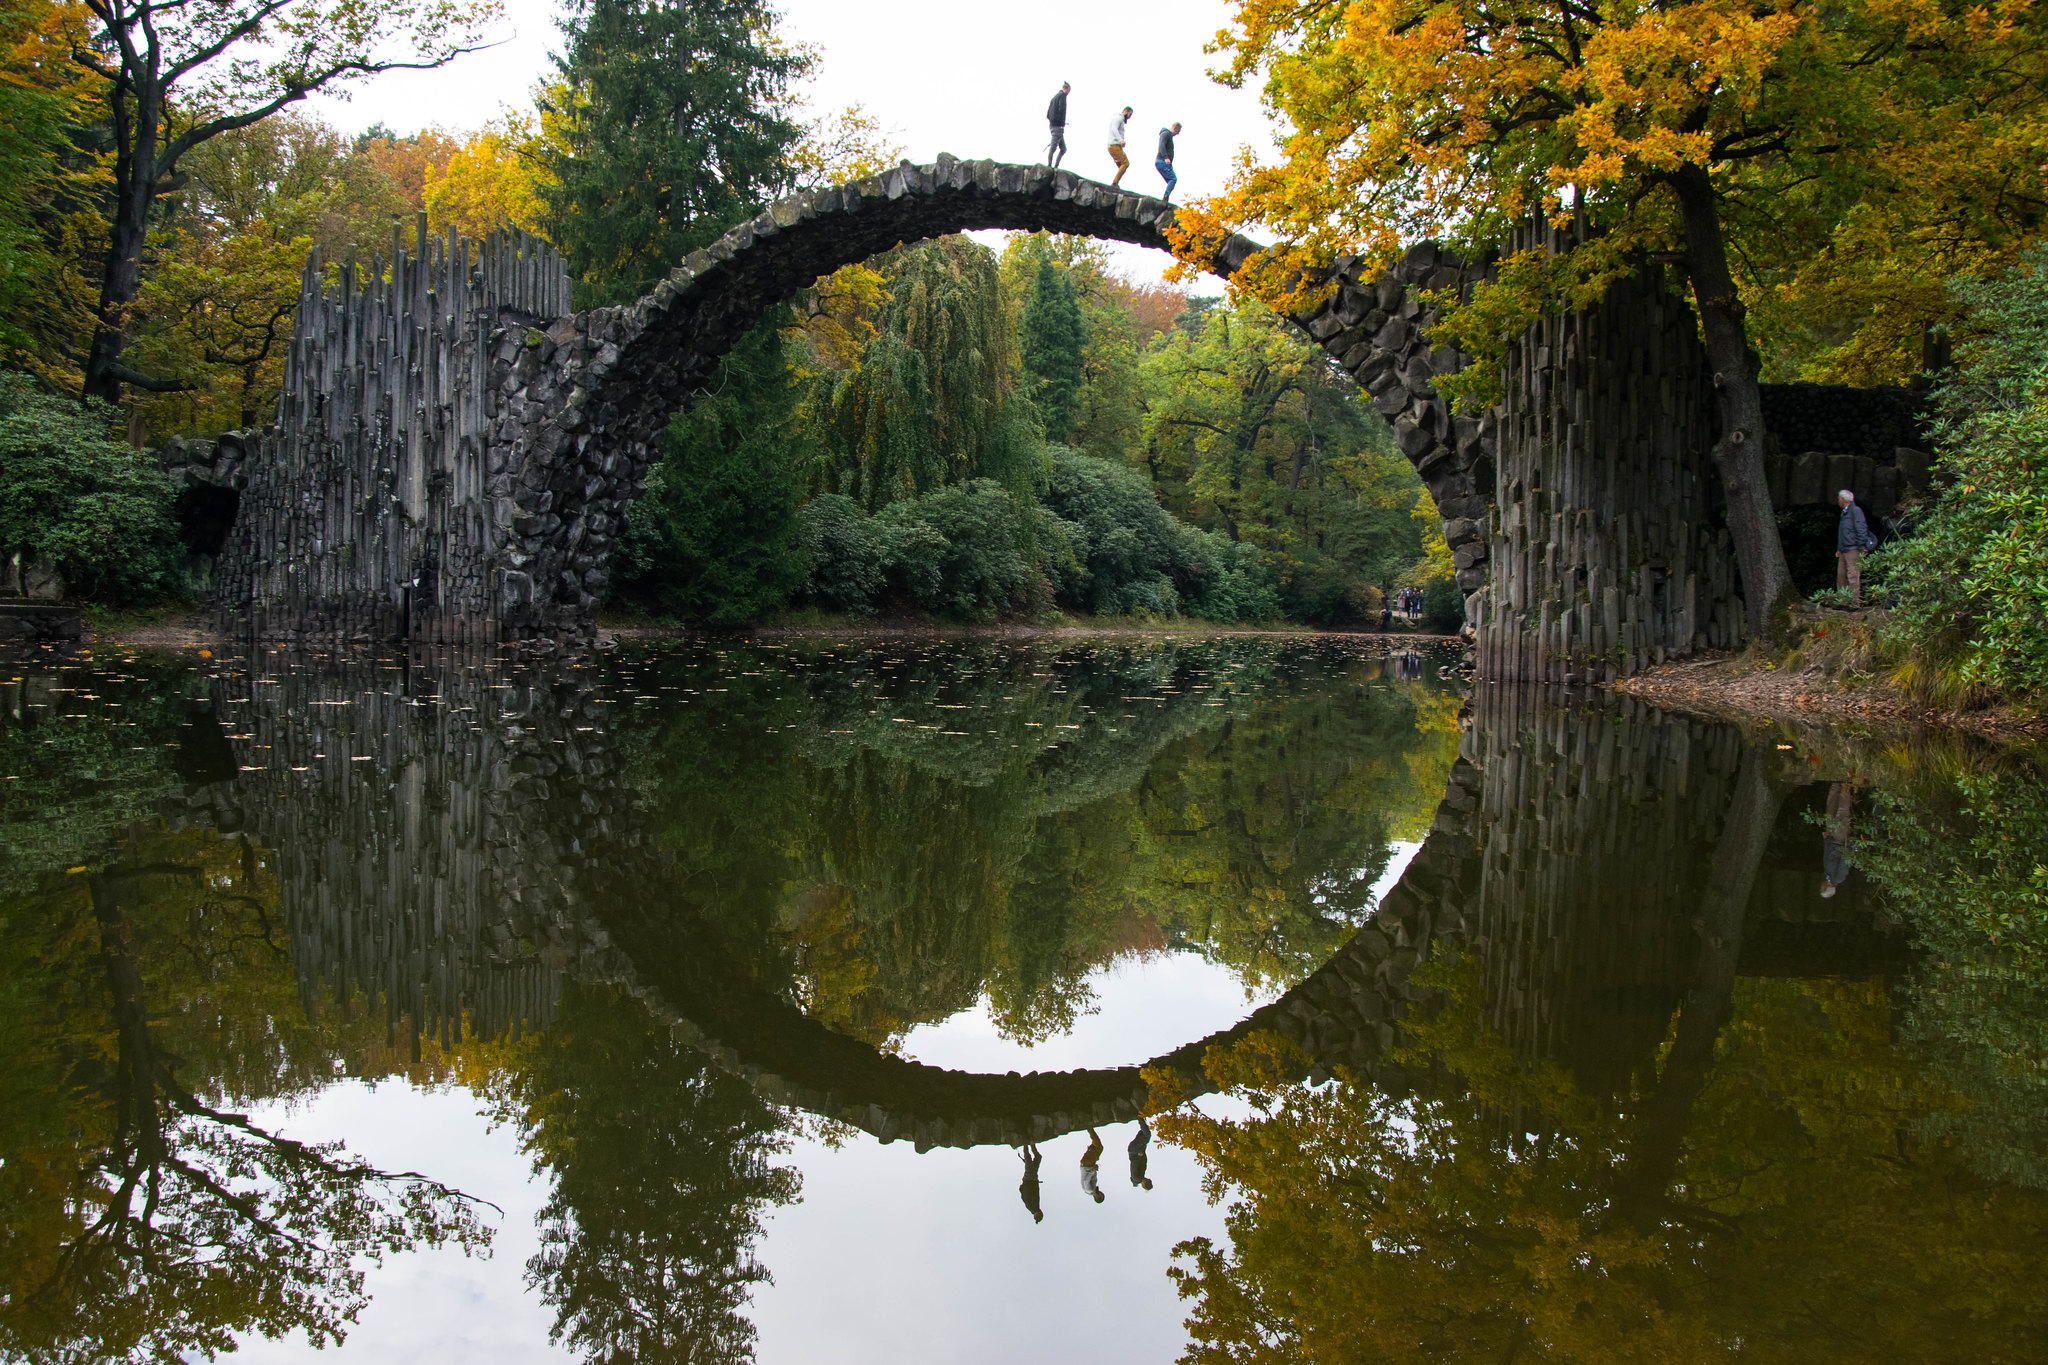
column 1863, row 152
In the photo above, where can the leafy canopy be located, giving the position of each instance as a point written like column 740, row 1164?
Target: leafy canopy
column 1859, row 152
column 1972, row 588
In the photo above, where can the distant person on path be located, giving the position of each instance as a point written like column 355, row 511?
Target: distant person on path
column 1852, row 538
column 1056, row 115
column 1091, row 1168
column 1119, row 133
column 1163, row 163
column 1834, row 845
column 1386, row 618
column 1136, row 1151
column 1028, row 1191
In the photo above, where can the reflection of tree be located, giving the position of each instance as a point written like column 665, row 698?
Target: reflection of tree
column 1962, row 855
column 662, row 1170
column 1493, row 1215
column 146, row 1220
column 1225, row 796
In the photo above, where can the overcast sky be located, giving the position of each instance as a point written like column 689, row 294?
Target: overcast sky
column 943, row 75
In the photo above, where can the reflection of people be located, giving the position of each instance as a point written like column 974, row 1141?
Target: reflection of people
column 1091, row 1167
column 1834, row 846
column 1029, row 1189
column 1137, row 1154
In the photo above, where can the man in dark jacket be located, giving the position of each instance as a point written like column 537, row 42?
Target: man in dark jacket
column 1163, row 163
column 1056, row 115
column 1852, row 538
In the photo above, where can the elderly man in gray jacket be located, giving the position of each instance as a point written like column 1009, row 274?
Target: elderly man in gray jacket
column 1852, row 538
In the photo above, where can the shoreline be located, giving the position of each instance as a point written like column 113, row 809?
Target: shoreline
column 1724, row 685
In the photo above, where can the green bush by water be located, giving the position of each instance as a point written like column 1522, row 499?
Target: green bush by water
column 1098, row 542
column 72, row 495
column 1971, row 590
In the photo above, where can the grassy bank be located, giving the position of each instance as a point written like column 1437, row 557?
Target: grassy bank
column 1835, row 666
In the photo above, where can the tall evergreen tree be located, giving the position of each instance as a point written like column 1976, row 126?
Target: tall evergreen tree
column 714, row 536
column 1052, row 342
column 668, row 124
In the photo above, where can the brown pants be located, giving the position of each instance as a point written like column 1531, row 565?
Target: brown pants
column 1849, row 572
column 1123, row 163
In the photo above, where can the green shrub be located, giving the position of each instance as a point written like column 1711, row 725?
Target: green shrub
column 70, row 494
column 1234, row 584
column 1126, row 552
column 955, row 552
column 847, row 554
column 1970, row 591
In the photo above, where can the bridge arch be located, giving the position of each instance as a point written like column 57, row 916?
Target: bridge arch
column 608, row 381
column 454, row 454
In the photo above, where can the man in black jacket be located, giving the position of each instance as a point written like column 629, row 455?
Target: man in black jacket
column 1056, row 115
column 1163, row 163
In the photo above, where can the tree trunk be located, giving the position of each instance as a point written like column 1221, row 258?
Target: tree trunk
column 1739, row 454
column 1667, row 1114
column 135, row 174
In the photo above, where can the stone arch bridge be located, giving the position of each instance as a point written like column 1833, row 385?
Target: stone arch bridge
column 455, row 450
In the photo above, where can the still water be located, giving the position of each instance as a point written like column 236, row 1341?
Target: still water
column 802, row 1003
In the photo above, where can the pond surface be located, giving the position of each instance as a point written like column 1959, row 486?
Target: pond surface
column 795, row 1003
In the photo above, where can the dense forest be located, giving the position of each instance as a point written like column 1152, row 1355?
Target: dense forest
column 961, row 428
column 974, row 429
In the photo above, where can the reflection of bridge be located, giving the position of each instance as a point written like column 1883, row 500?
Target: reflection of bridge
column 454, row 841
column 455, row 452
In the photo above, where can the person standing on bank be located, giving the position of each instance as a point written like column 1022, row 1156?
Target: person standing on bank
column 1852, row 538
column 1056, row 115
column 1163, row 163
column 1118, row 133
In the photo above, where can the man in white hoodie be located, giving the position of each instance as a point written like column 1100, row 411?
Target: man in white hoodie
column 1118, row 127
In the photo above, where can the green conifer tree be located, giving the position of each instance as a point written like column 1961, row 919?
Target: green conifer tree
column 672, row 126
column 1051, row 344
column 713, row 538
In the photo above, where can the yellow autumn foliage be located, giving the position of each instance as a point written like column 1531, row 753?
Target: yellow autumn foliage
column 491, row 181
column 1859, row 153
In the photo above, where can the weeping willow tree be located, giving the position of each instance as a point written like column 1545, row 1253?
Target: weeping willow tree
column 930, row 399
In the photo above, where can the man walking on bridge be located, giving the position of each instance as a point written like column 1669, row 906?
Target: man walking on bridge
column 1163, row 163
column 1056, row 115
column 1119, row 131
